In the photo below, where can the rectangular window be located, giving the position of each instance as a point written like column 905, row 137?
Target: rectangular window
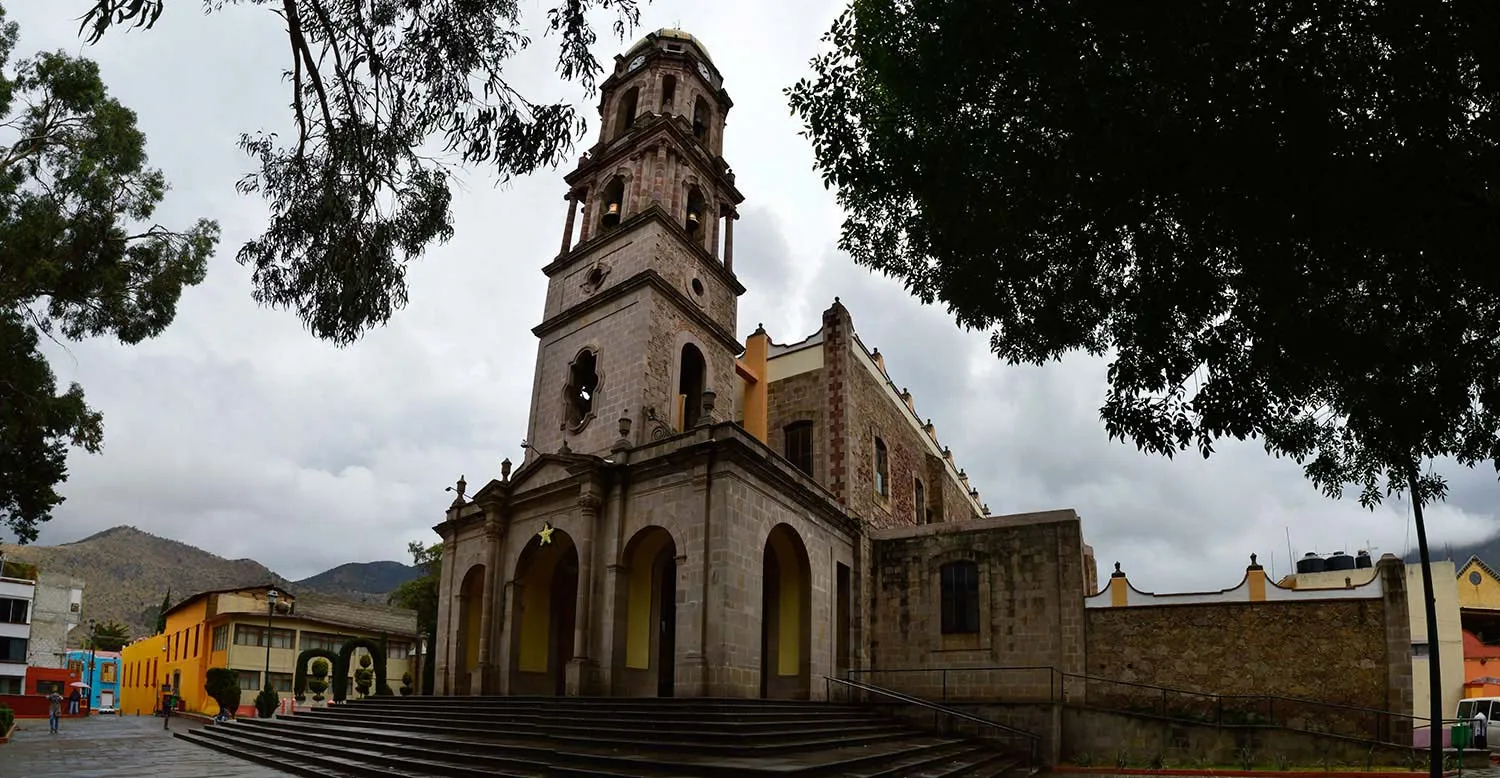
column 10, row 685
column 108, row 673
column 323, row 641
column 281, row 682
column 48, row 687
column 1419, row 651
column 919, row 501
column 13, row 611
column 13, row 650
column 799, row 445
column 196, row 634
column 221, row 637
column 75, row 667
column 246, row 635
column 960, row 593
column 398, row 649
column 249, row 680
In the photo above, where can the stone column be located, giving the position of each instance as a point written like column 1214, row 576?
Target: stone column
column 450, row 611
column 729, row 240
column 567, row 240
column 586, row 196
column 578, row 682
column 713, row 233
column 480, row 684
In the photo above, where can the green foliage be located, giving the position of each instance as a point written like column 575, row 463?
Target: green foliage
column 421, row 593
column 266, row 701
column 320, row 668
column 222, row 684
column 110, row 636
column 1277, row 222
column 353, row 192
column 7, row 718
column 161, row 614
column 406, row 688
column 77, row 260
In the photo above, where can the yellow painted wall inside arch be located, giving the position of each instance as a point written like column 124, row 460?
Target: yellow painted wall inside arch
column 536, row 609
column 641, row 602
column 1484, row 595
column 789, row 606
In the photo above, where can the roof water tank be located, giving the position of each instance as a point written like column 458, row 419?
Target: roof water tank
column 1362, row 560
column 1310, row 563
column 1338, row 560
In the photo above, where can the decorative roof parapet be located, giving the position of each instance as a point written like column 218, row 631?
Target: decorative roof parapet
column 1255, row 586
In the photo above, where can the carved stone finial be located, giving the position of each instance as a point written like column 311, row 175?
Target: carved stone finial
column 462, row 487
column 505, row 469
column 760, row 328
column 565, row 449
column 987, row 509
column 625, row 424
column 709, row 398
column 1118, row 573
column 835, row 300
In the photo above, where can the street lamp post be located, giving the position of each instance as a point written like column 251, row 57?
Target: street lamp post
column 93, row 642
column 271, row 596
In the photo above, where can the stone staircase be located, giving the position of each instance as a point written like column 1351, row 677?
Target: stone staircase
column 392, row 737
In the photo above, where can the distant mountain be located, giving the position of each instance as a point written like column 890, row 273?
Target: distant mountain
column 1487, row 550
column 360, row 581
column 127, row 571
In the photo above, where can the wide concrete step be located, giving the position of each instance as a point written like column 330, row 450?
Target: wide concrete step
column 602, row 738
column 728, row 725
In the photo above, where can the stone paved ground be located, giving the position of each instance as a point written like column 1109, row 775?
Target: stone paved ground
column 117, row 747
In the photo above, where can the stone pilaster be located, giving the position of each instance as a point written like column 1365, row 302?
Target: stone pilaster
column 580, row 668
column 482, row 682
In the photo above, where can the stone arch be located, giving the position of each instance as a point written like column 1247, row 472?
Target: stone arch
column 543, row 613
column 299, row 676
column 627, row 106
column 675, row 412
column 646, row 608
column 612, row 200
column 377, row 655
column 470, row 621
column 786, row 616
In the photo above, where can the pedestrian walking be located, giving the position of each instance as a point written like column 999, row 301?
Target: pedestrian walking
column 54, row 710
column 1481, row 737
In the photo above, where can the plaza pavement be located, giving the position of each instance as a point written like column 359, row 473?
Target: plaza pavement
column 117, row 747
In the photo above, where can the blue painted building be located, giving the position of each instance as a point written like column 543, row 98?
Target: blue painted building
column 104, row 680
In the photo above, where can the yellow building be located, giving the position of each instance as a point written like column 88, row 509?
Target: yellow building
column 228, row 628
column 1448, row 599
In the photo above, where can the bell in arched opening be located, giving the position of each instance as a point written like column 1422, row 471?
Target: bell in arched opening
column 612, row 214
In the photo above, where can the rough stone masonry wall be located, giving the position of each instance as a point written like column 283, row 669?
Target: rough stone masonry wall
column 1031, row 606
column 800, row 397
column 1333, row 651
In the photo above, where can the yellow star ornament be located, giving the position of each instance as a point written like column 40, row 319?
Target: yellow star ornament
column 545, row 533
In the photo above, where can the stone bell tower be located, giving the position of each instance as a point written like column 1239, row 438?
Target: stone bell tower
column 638, row 335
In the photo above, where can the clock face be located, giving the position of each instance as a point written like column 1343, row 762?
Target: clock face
column 703, row 71
column 635, row 63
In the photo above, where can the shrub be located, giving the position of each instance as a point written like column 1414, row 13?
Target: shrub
column 7, row 718
column 406, row 684
column 223, row 686
column 364, row 676
column 320, row 668
column 266, row 702
column 318, row 686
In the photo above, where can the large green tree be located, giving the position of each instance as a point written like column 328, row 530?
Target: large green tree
column 355, row 190
column 1276, row 220
column 109, row 636
column 79, row 257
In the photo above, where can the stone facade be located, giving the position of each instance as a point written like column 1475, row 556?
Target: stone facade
column 54, row 614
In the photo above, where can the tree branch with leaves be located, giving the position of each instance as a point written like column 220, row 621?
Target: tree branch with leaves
column 79, row 257
column 373, row 82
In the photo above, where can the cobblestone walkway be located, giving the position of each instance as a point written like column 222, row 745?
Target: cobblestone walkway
column 117, row 747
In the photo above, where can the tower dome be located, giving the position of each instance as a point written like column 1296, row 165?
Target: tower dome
column 669, row 33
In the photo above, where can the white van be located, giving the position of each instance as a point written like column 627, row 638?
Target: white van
column 1473, row 706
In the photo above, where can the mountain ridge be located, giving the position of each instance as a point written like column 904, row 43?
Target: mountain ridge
column 127, row 570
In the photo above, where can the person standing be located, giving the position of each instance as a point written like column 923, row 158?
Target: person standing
column 1481, row 737
column 54, row 710
column 73, row 702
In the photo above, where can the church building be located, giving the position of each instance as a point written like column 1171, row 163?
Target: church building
column 698, row 515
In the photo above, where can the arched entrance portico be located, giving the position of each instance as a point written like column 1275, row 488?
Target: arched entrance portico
column 786, row 617
column 647, row 600
column 545, row 603
column 470, row 617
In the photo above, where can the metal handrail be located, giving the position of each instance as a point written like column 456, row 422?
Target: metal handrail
column 1032, row 738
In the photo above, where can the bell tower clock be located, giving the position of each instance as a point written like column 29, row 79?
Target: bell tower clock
column 640, row 318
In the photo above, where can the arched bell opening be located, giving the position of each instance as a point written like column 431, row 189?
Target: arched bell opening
column 625, row 110
column 786, row 617
column 692, row 376
column 543, row 614
column 703, row 117
column 668, row 95
column 697, row 213
column 612, row 204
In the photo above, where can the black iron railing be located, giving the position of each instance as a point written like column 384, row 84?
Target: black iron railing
column 941, row 714
column 1044, row 684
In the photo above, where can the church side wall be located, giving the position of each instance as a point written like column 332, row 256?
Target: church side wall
column 802, row 397
column 872, row 414
column 1030, row 606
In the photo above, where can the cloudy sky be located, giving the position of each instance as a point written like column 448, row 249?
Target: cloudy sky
column 238, row 432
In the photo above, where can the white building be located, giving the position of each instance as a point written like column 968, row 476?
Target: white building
column 16, row 597
column 56, row 609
